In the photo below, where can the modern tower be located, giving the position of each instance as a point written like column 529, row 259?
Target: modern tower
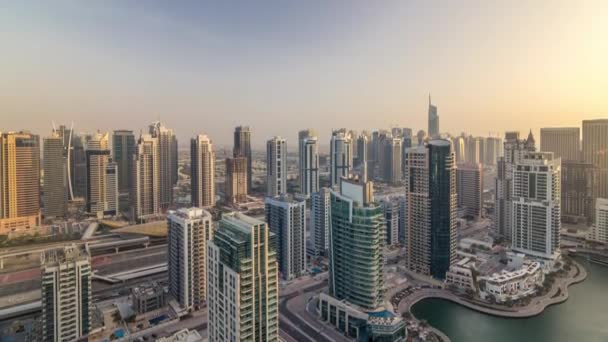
column 242, row 282
column 123, row 149
column 98, row 168
column 202, row 172
column 469, row 188
column 55, row 194
column 236, row 180
column 599, row 232
column 357, row 238
column 242, row 149
column 276, row 166
column 390, row 208
column 433, row 128
column 341, row 156
column 145, row 189
column 319, row 221
column 392, row 161
column 308, row 161
column 595, row 147
column 579, row 182
column 188, row 233
column 167, row 154
column 493, row 150
column 78, row 166
column 536, row 205
column 564, row 142
column 286, row 218
column 66, row 294
column 514, row 150
column 19, row 181
column 459, row 149
column 430, row 191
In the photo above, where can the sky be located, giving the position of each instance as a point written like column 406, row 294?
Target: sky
column 280, row 65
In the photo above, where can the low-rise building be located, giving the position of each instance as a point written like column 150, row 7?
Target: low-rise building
column 462, row 274
column 514, row 282
column 377, row 325
column 148, row 297
column 184, row 335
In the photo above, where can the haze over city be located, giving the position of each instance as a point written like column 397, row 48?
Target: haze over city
column 208, row 66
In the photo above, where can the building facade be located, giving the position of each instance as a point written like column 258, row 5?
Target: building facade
column 433, row 127
column 242, row 149
column 145, row 183
column 319, row 221
column 189, row 230
column 469, row 187
column 286, row 219
column 19, row 182
column 599, row 231
column 167, row 160
column 595, row 145
column 66, row 294
column 123, row 149
column 308, row 162
column 340, row 156
column 564, row 142
column 55, row 194
column 236, row 180
column 430, row 195
column 536, row 205
column 579, row 182
column 202, row 172
column 390, row 208
column 276, row 167
column 243, row 285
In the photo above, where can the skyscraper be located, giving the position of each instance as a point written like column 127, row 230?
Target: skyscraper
column 98, row 187
column 19, row 181
column 391, row 164
column 78, row 166
column 55, row 195
column 167, row 154
column 514, row 150
column 578, row 192
column 242, row 282
column 202, row 172
column 595, row 151
column 188, row 233
column 286, row 218
column 357, row 238
column 492, row 150
column 242, row 149
column 112, row 188
column 473, row 152
column 276, row 166
column 145, row 183
column 430, row 191
column 308, row 161
column 319, row 221
column 123, row 149
column 599, row 232
column 459, row 149
column 341, row 156
column 390, row 209
column 564, row 142
column 236, row 180
column 469, row 188
column 536, row 205
column 433, row 128
column 66, row 294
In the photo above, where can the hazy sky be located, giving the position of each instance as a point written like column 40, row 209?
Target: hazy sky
column 280, row 66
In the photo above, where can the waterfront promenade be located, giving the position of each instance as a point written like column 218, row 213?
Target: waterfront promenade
column 557, row 294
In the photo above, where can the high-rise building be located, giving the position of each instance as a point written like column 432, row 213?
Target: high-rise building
column 112, row 188
column 599, row 232
column 595, row 151
column 276, row 167
column 286, row 218
column 236, row 180
column 473, row 150
column 78, row 167
column 536, row 205
column 202, row 172
column 391, row 164
column 123, row 149
column 341, row 156
column 469, row 188
column 402, row 221
column 66, row 294
column 357, row 238
column 242, row 282
column 492, row 150
column 579, row 181
column 69, row 140
column 167, row 154
column 19, row 181
column 55, row 194
column 98, row 168
column 459, row 149
column 514, row 150
column 390, row 209
column 242, row 149
column 189, row 231
column 308, row 162
column 430, row 191
column 319, row 221
column 564, row 142
column 145, row 194
column 433, row 128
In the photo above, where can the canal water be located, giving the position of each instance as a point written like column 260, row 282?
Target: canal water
column 582, row 318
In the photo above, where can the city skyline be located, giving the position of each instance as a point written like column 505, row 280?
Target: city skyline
column 320, row 63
